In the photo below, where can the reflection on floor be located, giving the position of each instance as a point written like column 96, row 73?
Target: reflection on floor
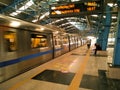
column 100, row 83
column 55, row 76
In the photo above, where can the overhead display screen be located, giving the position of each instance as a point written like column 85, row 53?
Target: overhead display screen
column 76, row 9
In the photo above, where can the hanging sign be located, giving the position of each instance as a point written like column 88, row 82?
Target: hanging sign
column 76, row 9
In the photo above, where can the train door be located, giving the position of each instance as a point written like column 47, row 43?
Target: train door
column 57, row 44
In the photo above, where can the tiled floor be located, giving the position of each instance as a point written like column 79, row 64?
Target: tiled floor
column 55, row 77
column 60, row 73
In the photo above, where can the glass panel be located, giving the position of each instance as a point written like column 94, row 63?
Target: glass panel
column 10, row 41
column 38, row 41
column 57, row 40
column 65, row 40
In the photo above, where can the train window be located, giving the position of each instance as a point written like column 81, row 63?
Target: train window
column 38, row 41
column 65, row 40
column 10, row 41
column 57, row 41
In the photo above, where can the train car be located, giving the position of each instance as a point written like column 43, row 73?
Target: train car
column 25, row 45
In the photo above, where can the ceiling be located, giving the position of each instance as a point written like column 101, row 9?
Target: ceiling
column 38, row 13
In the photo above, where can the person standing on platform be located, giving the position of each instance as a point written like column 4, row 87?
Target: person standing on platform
column 88, row 44
column 97, row 47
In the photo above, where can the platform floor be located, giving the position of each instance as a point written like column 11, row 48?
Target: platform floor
column 76, row 70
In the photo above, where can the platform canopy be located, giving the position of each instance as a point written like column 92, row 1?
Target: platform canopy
column 82, row 16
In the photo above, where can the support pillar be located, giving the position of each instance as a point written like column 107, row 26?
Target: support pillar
column 107, row 28
column 99, row 40
column 116, row 56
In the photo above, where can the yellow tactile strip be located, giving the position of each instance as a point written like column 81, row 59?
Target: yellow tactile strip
column 78, row 76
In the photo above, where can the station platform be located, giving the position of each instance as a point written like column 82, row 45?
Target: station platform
column 76, row 70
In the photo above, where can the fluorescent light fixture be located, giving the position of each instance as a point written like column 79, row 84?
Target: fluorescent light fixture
column 35, row 20
column 69, row 26
column 73, row 22
column 67, row 18
column 114, row 17
column 52, row 8
column 104, row 16
column 18, row 11
column 64, row 24
column 93, row 21
column 115, row 4
column 94, row 15
column 14, row 14
column 15, row 24
column 110, row 4
column 112, row 27
column 61, row 19
column 90, row 37
column 42, row 17
column 46, row 14
column 21, row 9
column 83, row 19
column 57, row 20
column 74, row 0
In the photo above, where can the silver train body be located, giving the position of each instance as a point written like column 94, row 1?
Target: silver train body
column 25, row 45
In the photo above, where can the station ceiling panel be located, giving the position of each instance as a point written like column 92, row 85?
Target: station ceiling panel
column 38, row 11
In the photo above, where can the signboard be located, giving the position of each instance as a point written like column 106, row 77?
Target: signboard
column 76, row 9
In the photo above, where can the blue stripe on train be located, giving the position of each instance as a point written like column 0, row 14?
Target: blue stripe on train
column 14, row 61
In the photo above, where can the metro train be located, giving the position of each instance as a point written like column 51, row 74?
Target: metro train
column 24, row 45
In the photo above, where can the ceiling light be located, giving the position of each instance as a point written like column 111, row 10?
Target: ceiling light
column 64, row 24
column 57, row 20
column 115, row 4
column 44, row 15
column 110, row 4
column 94, row 15
column 104, row 16
column 61, row 19
column 83, row 19
column 114, row 17
column 21, row 9
column 35, row 20
column 53, row 8
column 14, row 14
column 73, row 22
column 18, row 11
column 93, row 21
column 27, row 5
column 91, row 37
column 74, row 0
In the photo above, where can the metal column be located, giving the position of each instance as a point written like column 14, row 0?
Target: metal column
column 100, row 36
column 100, row 31
column 116, row 56
column 107, row 28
